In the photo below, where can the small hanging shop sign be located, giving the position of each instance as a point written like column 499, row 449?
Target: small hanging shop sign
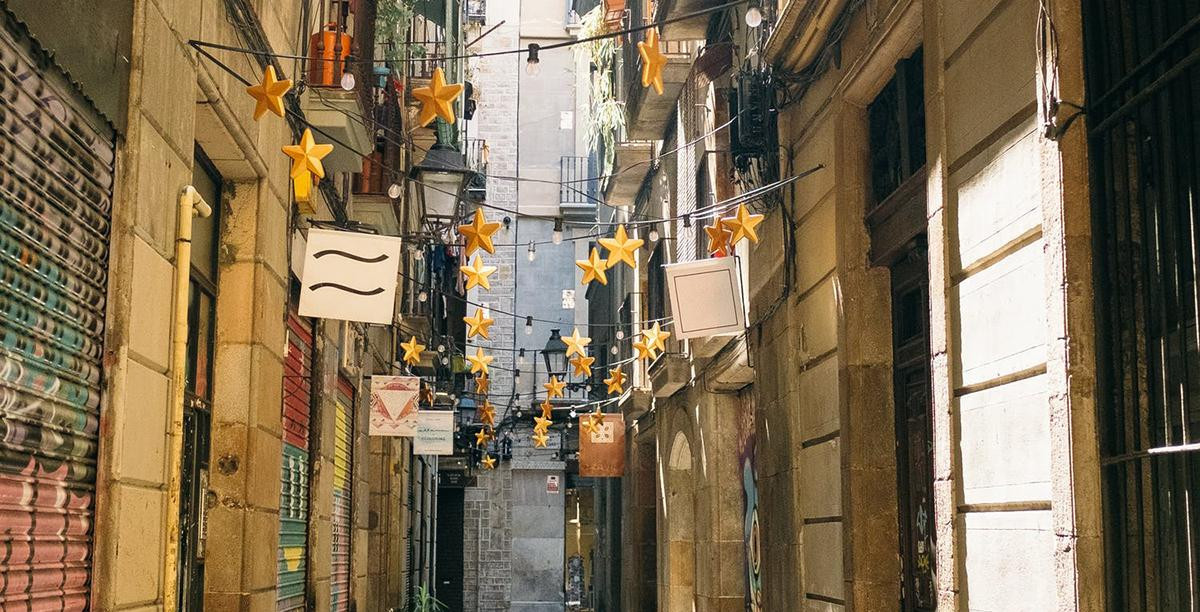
column 394, row 405
column 435, row 433
column 706, row 298
column 350, row 276
column 602, row 447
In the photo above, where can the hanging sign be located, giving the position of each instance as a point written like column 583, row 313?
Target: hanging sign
column 349, row 276
column 394, row 405
column 602, row 450
column 435, row 433
column 706, row 298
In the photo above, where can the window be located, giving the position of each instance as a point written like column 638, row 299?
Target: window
column 897, row 129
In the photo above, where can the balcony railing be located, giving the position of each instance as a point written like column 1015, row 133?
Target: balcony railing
column 427, row 40
column 576, row 174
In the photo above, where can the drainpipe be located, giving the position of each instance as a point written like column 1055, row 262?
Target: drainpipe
column 190, row 204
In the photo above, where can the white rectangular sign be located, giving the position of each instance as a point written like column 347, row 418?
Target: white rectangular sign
column 394, row 405
column 435, row 433
column 706, row 298
column 349, row 276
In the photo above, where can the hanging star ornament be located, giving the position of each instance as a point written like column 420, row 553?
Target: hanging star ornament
column 621, row 248
column 488, row 461
column 481, row 437
column 479, row 361
column 742, row 225
column 652, row 61
column 482, row 384
column 554, row 388
column 718, row 238
column 412, row 351
column 644, row 351
column 583, row 365
column 306, row 162
column 593, row 268
column 478, row 325
column 487, row 414
column 655, row 338
column 576, row 343
column 588, row 425
column 479, row 233
column 477, row 274
column 437, row 100
column 547, row 408
column 540, row 439
column 541, row 424
column 268, row 95
column 615, row 381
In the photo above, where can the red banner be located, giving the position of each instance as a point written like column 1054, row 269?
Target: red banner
column 602, row 449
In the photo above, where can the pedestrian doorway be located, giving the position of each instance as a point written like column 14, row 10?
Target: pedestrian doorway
column 896, row 219
column 449, row 549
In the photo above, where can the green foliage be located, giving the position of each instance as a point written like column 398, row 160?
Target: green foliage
column 426, row 602
column 607, row 113
column 393, row 18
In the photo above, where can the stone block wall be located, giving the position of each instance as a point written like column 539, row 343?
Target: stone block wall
column 487, row 535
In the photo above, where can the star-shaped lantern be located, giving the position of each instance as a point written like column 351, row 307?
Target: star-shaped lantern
column 479, row 361
column 655, row 337
column 481, row 437
column 615, row 381
column 477, row 274
column 554, row 388
column 593, row 268
column 540, row 439
column 306, row 161
column 482, row 384
column 412, row 351
column 268, row 95
column 479, row 233
column 588, row 425
column 547, row 408
column 478, row 325
column 488, row 461
column 487, row 414
column 583, row 365
column 742, row 224
column 576, row 343
column 621, row 248
column 541, row 424
column 644, row 351
column 718, row 238
column 437, row 100
column 652, row 61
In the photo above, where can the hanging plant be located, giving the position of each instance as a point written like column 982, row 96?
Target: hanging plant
column 393, row 19
column 607, row 123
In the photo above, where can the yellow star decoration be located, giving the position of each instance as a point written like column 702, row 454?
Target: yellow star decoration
column 488, row 461
column 621, row 247
column 479, row 361
column 583, row 365
column 477, row 274
column 593, row 268
column 482, row 384
column 615, row 381
column 426, row 395
column 437, row 100
column 540, row 439
column 652, row 61
column 547, row 408
column 718, row 238
column 554, row 389
column 598, row 415
column 643, row 351
column 541, row 424
column 479, row 233
column 412, row 351
column 478, row 325
column 306, row 156
column 742, row 224
column 654, row 337
column 576, row 343
column 268, row 95
column 587, row 424
column 487, row 414
column 481, row 437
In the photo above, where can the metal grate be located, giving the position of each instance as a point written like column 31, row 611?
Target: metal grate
column 1145, row 150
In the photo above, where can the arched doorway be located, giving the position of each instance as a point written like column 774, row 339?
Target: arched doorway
column 680, row 519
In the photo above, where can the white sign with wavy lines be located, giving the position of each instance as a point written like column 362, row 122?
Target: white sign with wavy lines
column 350, row 276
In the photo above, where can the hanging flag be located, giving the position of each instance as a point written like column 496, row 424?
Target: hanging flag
column 602, row 447
column 350, row 276
column 706, row 298
column 394, row 405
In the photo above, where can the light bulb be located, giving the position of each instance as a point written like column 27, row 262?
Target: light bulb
column 394, row 190
column 533, row 65
column 614, row 350
column 556, row 237
column 574, row 414
column 521, row 357
column 517, row 379
column 529, row 326
column 754, row 17
column 570, row 424
column 519, row 413
column 532, row 252
column 445, row 361
column 620, row 334
column 654, row 234
column 423, row 296
column 441, row 348
column 348, row 81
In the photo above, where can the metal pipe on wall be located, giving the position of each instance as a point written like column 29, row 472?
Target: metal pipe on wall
column 191, row 204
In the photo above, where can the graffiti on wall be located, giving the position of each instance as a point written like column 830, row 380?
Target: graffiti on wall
column 747, row 448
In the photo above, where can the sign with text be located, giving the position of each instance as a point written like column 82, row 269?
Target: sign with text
column 349, row 276
column 394, row 405
column 552, row 483
column 435, row 433
column 602, row 451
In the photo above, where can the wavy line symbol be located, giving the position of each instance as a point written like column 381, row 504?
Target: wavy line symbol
column 376, row 259
column 375, row 291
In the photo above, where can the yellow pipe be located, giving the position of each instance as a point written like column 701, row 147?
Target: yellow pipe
column 190, row 203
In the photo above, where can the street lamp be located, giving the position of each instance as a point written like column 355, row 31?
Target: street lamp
column 555, row 355
column 439, row 180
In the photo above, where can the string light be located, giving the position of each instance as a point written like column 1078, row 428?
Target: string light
column 423, row 296
column 573, row 413
column 557, row 236
column 614, row 350
column 348, row 81
column 654, row 234
column 529, row 325
column 754, row 17
column 521, row 357
column 395, row 191
column 533, row 65
column 620, row 334
column 532, row 251
column 441, row 348
column 516, row 382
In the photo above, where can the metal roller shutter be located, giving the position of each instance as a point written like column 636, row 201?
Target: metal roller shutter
column 293, row 496
column 343, row 464
column 56, row 180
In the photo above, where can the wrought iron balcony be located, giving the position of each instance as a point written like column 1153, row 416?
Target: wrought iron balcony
column 578, row 191
column 477, row 160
